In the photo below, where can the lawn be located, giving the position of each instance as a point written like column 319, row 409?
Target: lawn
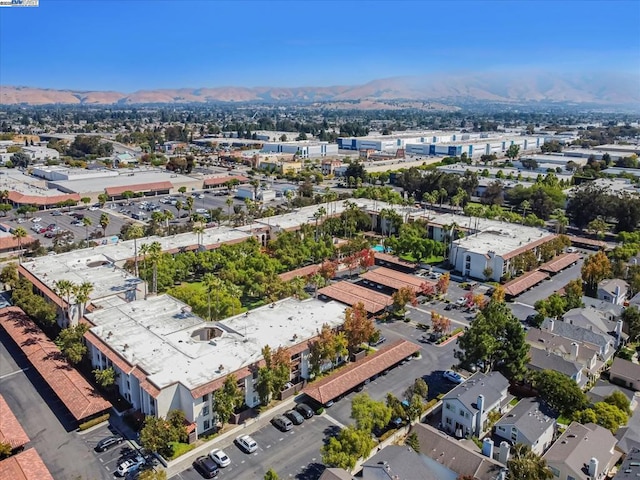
column 433, row 260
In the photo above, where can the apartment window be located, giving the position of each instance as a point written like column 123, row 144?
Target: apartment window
column 555, row 471
column 569, row 477
column 447, row 406
column 207, row 425
column 205, row 398
column 205, row 411
column 461, row 412
column 514, row 436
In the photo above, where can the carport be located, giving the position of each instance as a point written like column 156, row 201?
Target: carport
column 559, row 263
column 77, row 395
column 348, row 378
column 393, row 261
column 524, row 283
column 351, row 294
column 393, row 279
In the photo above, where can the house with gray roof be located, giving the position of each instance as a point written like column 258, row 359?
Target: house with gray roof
column 529, row 423
column 635, row 300
column 396, row 462
column 586, row 354
column 466, row 408
column 629, row 435
column 336, row 474
column 604, row 342
column 625, row 373
column 455, row 455
column 591, row 318
column 583, row 452
column 613, row 290
column 630, row 468
column 608, row 309
column 544, row 360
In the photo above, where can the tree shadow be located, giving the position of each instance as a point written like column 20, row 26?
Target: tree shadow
column 311, row 472
column 330, row 431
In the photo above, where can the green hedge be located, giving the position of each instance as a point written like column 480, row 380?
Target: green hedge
column 94, row 422
column 387, row 434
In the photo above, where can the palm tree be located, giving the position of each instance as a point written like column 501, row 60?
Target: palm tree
column 288, row 194
column 318, row 281
column 82, row 293
column 64, row 289
column 167, row 216
column 198, row 229
column 155, row 253
column 318, row 214
column 561, row 220
column 190, row 201
column 4, row 195
column 104, row 223
column 212, row 284
column 229, row 202
column 144, row 250
column 525, row 205
column 526, row 465
column 178, row 207
column 135, row 232
column 86, row 221
column 19, row 233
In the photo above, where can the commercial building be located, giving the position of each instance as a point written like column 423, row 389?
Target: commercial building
column 304, row 148
column 40, row 154
column 166, row 357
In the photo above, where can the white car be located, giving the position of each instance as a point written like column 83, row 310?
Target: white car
column 246, row 443
column 221, row 458
column 435, row 275
column 201, row 210
column 130, row 465
column 452, row 376
column 36, row 219
column 93, row 209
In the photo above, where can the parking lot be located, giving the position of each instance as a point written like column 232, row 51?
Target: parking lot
column 293, row 454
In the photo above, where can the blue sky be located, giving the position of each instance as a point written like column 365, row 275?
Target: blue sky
column 128, row 45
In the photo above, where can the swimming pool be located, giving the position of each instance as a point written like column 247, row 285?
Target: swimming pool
column 378, row 248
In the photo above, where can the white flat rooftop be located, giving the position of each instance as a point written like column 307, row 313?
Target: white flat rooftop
column 173, row 345
column 89, row 185
column 84, row 266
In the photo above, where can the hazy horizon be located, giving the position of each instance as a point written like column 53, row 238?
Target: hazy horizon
column 142, row 45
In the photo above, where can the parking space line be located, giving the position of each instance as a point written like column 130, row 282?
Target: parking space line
column 13, row 373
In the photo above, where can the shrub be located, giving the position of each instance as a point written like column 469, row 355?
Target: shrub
column 320, row 411
column 93, row 422
column 178, row 449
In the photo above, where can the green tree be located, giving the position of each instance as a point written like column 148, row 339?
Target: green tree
column 573, row 294
column 495, row 338
column 524, row 464
column 631, row 318
column 70, row 342
column 418, row 387
column 413, row 441
column 227, row 398
column 620, row 400
column 19, row 233
column 344, row 450
column 153, row 475
column 512, row 152
column 368, row 413
column 553, row 307
column 9, row 274
column 156, row 435
column 86, row 222
column 559, row 391
column 102, row 199
column 134, row 233
column 106, row 377
column 5, row 450
column 177, row 422
column 271, row 475
column 5, row 208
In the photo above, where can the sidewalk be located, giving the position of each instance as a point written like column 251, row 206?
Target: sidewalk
column 247, row 428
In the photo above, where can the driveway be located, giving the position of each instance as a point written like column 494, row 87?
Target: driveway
column 553, row 284
column 44, row 419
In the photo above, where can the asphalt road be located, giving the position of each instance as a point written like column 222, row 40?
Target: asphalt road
column 44, row 419
column 110, row 459
column 293, row 454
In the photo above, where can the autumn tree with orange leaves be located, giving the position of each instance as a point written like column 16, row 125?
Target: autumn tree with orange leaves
column 357, row 327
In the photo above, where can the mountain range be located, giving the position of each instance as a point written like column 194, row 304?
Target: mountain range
column 507, row 87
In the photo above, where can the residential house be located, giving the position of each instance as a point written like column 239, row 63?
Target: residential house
column 629, row 435
column 608, row 309
column 456, row 455
column 583, row 452
column 403, row 463
column 529, row 423
column 630, row 468
column 625, row 373
column 545, row 360
column 586, row 354
column 593, row 319
column 603, row 388
column 635, row 300
column 466, row 408
column 613, row 290
column 336, row 474
column 603, row 341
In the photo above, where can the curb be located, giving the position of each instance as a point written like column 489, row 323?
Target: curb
column 91, row 429
column 450, row 339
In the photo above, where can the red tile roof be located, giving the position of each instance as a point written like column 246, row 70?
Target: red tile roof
column 528, row 246
column 525, row 282
column 587, row 241
column 11, row 431
column 354, row 374
column 26, row 465
column 394, row 279
column 385, row 257
column 139, row 187
column 219, row 181
column 22, row 199
column 559, row 263
column 307, row 271
column 351, row 294
column 80, row 398
column 10, row 243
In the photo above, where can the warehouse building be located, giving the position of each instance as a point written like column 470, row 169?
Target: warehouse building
column 304, row 149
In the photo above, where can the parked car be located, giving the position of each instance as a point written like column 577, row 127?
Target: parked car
column 282, row 423
column 305, row 410
column 56, row 213
column 221, row 458
column 36, row 219
column 452, row 376
column 461, row 301
column 108, row 442
column 93, row 209
column 294, row 416
column 206, row 467
column 246, row 443
column 572, row 250
column 129, row 465
column 380, row 341
column 449, row 306
column 435, row 275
